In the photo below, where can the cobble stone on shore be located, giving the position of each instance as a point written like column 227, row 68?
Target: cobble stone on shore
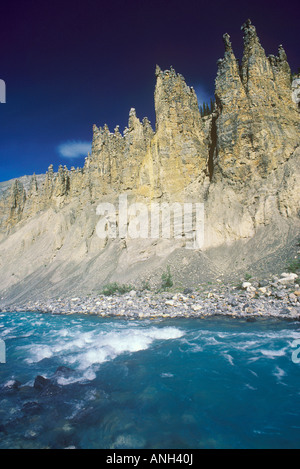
column 275, row 298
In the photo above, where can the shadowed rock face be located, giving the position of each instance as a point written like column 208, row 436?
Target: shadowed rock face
column 242, row 161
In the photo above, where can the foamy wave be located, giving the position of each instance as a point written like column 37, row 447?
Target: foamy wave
column 229, row 358
column 84, row 350
column 109, row 345
column 273, row 353
column 38, row 353
column 279, row 373
column 88, row 375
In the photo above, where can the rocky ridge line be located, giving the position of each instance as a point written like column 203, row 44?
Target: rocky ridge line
column 242, row 161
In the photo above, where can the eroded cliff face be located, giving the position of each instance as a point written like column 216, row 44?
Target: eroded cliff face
column 178, row 154
column 256, row 146
column 257, row 120
column 242, row 162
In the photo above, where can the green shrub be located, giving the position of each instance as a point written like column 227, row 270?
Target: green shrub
column 294, row 266
column 113, row 288
column 166, row 279
column 145, row 285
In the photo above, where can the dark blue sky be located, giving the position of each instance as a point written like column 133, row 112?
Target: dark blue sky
column 70, row 64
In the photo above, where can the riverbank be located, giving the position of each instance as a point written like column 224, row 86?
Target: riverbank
column 276, row 297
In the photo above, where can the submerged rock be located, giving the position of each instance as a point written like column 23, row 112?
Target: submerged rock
column 45, row 386
column 2, row 429
column 11, row 386
column 40, row 383
column 32, row 408
column 64, row 371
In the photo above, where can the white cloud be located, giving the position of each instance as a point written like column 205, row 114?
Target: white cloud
column 74, row 149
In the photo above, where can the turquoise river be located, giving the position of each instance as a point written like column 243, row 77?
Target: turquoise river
column 156, row 384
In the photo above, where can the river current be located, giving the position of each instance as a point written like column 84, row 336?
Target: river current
column 155, row 384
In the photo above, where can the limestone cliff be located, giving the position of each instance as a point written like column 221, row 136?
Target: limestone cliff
column 257, row 122
column 178, row 153
column 256, row 142
column 242, row 161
